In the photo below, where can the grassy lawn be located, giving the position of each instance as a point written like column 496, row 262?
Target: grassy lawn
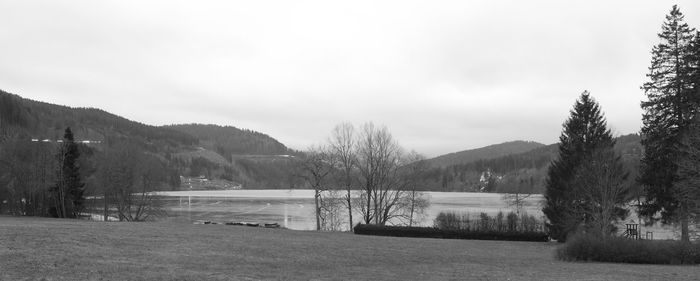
column 53, row 249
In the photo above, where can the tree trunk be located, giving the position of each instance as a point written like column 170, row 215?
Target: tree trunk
column 62, row 201
column 685, row 235
column 349, row 209
column 318, row 210
column 368, row 215
column 413, row 207
column 106, row 215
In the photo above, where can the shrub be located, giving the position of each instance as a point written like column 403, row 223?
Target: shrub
column 512, row 221
column 498, row 220
column 433, row 232
column 587, row 247
column 485, row 223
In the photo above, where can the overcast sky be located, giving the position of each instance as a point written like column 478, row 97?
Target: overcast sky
column 443, row 76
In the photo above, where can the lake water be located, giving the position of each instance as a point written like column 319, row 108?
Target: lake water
column 295, row 208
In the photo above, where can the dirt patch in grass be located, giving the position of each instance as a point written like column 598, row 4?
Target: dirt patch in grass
column 53, row 249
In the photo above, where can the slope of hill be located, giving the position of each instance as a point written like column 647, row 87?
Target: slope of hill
column 228, row 140
column 488, row 152
column 188, row 150
column 522, row 172
column 42, row 120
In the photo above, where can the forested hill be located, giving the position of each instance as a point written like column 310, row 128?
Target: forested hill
column 192, row 150
column 518, row 172
column 40, row 120
column 228, row 140
column 488, row 152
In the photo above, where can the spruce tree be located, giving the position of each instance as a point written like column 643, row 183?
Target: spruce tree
column 583, row 132
column 673, row 99
column 686, row 189
column 69, row 188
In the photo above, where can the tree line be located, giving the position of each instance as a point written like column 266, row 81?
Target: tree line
column 517, row 173
column 39, row 120
column 587, row 188
column 68, row 179
column 41, row 179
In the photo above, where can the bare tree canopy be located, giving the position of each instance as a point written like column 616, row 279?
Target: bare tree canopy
column 378, row 179
column 600, row 183
column 128, row 176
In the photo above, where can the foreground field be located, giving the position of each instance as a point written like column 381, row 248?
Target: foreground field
column 36, row 248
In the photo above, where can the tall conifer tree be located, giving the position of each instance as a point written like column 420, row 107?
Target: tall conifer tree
column 686, row 189
column 673, row 100
column 585, row 131
column 69, row 188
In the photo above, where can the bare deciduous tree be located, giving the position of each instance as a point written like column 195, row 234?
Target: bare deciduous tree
column 365, row 172
column 331, row 205
column 128, row 178
column 516, row 200
column 379, row 157
column 417, row 202
column 600, row 183
column 343, row 146
column 387, row 191
column 316, row 170
column 26, row 172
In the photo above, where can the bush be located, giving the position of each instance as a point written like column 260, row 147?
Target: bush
column 433, row 232
column 582, row 247
column 510, row 222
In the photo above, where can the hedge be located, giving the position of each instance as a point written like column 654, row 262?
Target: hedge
column 583, row 247
column 432, row 232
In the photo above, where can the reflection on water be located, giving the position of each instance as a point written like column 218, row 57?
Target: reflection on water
column 295, row 208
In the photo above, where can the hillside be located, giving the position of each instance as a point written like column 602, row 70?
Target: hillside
column 521, row 172
column 256, row 160
column 40, row 120
column 189, row 150
column 229, row 140
column 488, row 152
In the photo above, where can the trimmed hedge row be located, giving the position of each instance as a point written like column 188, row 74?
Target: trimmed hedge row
column 432, row 232
column 624, row 250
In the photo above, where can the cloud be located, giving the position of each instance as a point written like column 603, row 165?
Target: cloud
column 444, row 76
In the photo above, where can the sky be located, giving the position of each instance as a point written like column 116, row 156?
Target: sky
column 443, row 76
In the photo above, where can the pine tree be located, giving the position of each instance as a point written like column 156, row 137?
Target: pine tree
column 673, row 99
column 69, row 188
column 584, row 131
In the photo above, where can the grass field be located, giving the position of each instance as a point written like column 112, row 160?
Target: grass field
column 53, row 249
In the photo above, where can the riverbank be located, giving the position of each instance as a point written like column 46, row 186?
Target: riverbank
column 55, row 249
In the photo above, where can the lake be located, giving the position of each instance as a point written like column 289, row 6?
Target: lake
column 294, row 209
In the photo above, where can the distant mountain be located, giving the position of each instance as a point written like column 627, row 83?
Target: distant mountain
column 189, row 150
column 521, row 172
column 488, row 152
